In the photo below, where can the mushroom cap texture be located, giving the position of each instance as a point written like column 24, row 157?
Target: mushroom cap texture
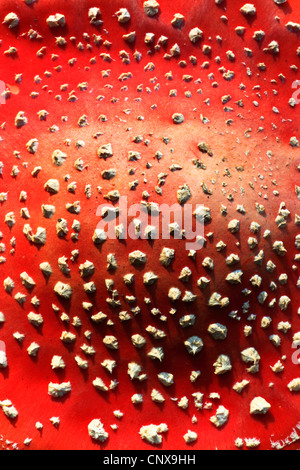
column 171, row 330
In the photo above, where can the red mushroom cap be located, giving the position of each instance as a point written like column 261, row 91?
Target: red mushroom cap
column 150, row 220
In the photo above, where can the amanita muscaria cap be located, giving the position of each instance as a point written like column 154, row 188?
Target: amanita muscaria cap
column 164, row 337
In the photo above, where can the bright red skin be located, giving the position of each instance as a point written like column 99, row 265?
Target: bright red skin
column 26, row 380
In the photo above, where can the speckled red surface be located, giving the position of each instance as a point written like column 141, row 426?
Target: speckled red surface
column 252, row 158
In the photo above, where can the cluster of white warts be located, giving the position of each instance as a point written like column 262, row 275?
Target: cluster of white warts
column 151, row 9
column 193, row 344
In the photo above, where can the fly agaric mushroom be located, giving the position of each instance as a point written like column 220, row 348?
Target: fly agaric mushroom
column 161, row 332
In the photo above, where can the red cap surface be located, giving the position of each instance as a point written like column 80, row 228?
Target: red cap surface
column 177, row 328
